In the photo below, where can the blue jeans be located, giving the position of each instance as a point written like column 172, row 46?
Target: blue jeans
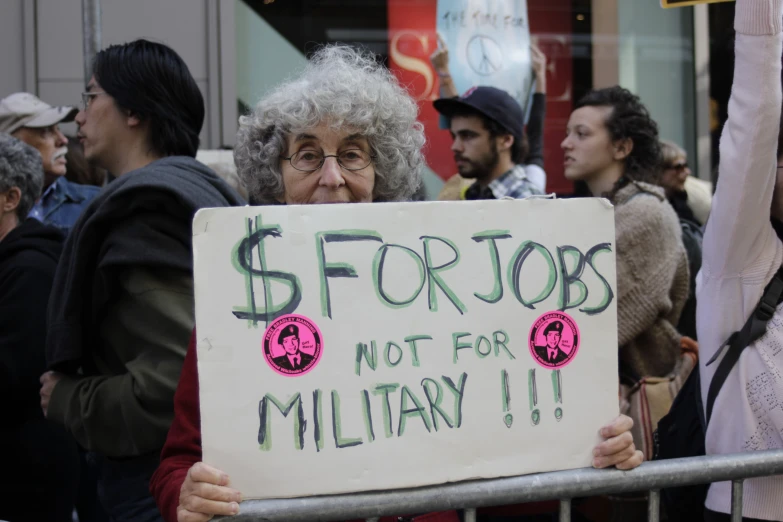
column 124, row 487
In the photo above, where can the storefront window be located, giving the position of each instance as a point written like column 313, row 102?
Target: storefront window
column 588, row 44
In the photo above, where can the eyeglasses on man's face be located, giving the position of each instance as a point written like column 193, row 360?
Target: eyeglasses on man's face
column 312, row 160
column 87, row 98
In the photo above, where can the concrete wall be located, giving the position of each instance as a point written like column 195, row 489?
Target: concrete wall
column 12, row 63
column 45, row 42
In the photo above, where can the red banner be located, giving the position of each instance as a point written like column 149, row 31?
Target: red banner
column 412, row 40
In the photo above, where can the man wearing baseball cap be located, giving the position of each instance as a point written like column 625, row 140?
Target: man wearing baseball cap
column 27, row 118
column 489, row 146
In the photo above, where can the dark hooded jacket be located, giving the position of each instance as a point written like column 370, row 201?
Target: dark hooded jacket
column 39, row 457
column 122, row 306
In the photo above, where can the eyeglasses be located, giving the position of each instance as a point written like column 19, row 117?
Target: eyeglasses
column 87, row 97
column 311, row 160
column 678, row 166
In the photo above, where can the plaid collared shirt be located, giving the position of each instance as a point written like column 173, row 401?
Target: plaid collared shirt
column 513, row 184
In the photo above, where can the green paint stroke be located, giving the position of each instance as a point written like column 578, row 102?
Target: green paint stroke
column 608, row 294
column 385, row 390
column 435, row 403
column 459, row 394
column 367, row 415
column 260, row 249
column 387, row 355
column 490, row 236
column 406, row 412
column 434, row 276
column 248, row 276
column 505, row 391
column 497, row 343
column 378, row 264
column 412, row 340
column 477, row 346
column 455, row 337
column 339, row 440
column 532, row 392
column 265, row 428
column 348, row 270
column 370, row 356
column 515, row 268
column 576, row 256
column 318, row 413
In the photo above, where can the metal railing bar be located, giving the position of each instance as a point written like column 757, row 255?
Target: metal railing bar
column 736, row 500
column 654, row 505
column 470, row 515
column 565, row 510
column 512, row 490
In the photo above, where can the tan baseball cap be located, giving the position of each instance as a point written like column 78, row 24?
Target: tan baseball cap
column 23, row 109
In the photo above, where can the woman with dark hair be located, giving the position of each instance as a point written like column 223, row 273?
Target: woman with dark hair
column 612, row 150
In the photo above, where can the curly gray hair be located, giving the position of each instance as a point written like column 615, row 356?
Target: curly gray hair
column 340, row 86
column 20, row 166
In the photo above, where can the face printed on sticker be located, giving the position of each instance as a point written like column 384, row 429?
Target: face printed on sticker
column 291, row 344
column 553, row 339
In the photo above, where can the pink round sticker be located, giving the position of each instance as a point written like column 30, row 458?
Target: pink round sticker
column 554, row 340
column 292, row 345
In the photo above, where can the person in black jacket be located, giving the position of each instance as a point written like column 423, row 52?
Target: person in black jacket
column 40, row 460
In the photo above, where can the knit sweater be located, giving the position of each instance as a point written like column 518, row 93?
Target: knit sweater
column 652, row 279
column 741, row 254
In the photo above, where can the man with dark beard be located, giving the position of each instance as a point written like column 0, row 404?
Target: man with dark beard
column 489, row 146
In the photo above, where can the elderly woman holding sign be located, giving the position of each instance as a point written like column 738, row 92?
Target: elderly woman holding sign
column 342, row 132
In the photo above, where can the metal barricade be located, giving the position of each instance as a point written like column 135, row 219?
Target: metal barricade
column 562, row 485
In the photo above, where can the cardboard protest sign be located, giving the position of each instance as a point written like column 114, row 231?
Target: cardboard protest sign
column 683, row 3
column 489, row 44
column 346, row 348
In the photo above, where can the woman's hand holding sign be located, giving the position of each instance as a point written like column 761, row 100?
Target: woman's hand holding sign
column 618, row 448
column 205, row 494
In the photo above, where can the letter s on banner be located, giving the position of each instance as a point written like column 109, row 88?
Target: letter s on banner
column 416, row 65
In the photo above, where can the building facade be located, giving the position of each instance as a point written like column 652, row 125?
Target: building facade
column 238, row 49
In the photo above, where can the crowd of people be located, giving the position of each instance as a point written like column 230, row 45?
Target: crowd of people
column 97, row 326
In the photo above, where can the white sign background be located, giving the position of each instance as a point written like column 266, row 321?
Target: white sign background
column 489, row 44
column 496, row 438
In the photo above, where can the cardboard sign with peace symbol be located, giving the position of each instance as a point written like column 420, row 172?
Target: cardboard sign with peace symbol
column 489, row 44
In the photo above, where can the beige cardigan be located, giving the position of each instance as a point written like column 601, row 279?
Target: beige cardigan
column 652, row 279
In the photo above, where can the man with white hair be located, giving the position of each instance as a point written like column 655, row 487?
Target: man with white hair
column 27, row 118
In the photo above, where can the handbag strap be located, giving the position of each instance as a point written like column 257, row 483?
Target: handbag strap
column 754, row 327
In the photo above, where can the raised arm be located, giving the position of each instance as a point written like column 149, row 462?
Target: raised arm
column 739, row 228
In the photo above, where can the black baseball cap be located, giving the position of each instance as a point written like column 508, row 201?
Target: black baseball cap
column 288, row 331
column 494, row 103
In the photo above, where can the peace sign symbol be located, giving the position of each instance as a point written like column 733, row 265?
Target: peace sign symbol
column 484, row 55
